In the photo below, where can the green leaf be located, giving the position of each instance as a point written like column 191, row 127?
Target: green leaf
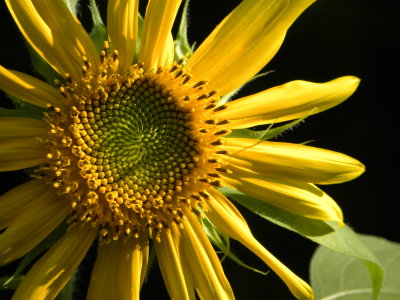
column 335, row 276
column 222, row 242
column 326, row 233
column 302, row 225
column 181, row 43
column 99, row 30
column 346, row 241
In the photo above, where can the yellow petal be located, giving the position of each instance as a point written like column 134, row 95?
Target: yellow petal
column 160, row 16
column 11, row 128
column 167, row 57
column 54, row 33
column 119, row 270
column 16, row 199
column 16, row 154
column 179, row 285
column 28, row 88
column 53, row 270
column 231, row 223
column 289, row 101
column 300, row 198
column 244, row 42
column 122, row 26
column 36, row 221
column 206, row 270
column 292, row 161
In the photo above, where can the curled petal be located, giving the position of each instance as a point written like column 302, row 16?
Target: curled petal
column 230, row 222
column 300, row 198
column 292, row 161
column 205, row 268
column 293, row 100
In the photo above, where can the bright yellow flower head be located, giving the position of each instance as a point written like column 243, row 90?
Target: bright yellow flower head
column 134, row 149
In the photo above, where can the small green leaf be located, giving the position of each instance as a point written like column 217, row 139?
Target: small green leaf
column 67, row 291
column 20, row 104
column 139, row 38
column 72, row 6
column 326, row 233
column 265, row 134
column 6, row 284
column 150, row 263
column 335, row 276
column 99, row 30
column 222, row 242
column 250, row 134
column 227, row 97
column 217, row 238
column 181, row 43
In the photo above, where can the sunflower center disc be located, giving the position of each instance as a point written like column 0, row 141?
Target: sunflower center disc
column 142, row 142
column 128, row 151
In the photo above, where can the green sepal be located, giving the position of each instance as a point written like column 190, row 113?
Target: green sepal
column 265, row 134
column 22, row 109
column 138, row 38
column 72, row 6
column 326, row 233
column 42, row 67
column 222, row 242
column 99, row 30
column 150, row 263
column 67, row 291
column 6, row 284
column 228, row 97
column 342, row 277
column 181, row 43
column 19, row 113
column 47, row 243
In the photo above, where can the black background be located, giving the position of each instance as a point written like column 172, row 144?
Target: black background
column 332, row 38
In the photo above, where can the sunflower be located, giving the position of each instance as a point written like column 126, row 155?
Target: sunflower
column 133, row 148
